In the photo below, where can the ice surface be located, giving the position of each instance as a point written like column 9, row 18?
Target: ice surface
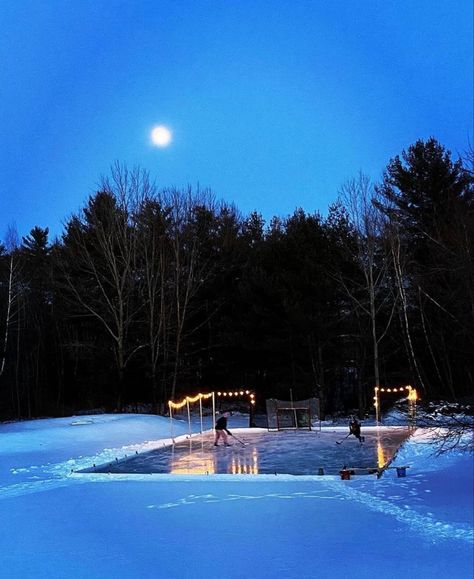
column 257, row 451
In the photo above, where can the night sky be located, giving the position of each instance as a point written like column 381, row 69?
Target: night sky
column 272, row 104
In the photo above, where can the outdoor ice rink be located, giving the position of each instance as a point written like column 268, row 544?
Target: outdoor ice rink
column 256, row 451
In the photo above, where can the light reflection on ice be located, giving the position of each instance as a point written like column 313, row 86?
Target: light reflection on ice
column 262, row 452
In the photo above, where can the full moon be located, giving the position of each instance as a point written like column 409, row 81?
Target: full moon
column 161, row 136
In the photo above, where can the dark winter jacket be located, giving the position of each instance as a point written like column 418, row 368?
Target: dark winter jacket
column 354, row 428
column 221, row 424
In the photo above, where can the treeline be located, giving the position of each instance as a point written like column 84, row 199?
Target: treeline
column 151, row 294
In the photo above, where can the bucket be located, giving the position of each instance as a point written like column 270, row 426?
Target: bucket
column 345, row 474
column 401, row 471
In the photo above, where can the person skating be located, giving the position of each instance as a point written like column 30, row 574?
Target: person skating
column 221, row 429
column 354, row 428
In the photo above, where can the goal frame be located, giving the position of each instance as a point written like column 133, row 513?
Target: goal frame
column 301, row 416
column 309, row 406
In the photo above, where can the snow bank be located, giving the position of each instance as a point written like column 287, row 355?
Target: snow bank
column 60, row 525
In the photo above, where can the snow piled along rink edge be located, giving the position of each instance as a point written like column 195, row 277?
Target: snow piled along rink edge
column 293, row 526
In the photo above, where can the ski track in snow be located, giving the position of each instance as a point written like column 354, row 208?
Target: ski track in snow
column 426, row 526
column 193, row 499
column 28, row 488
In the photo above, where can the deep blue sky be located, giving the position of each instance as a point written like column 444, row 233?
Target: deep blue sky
column 273, row 104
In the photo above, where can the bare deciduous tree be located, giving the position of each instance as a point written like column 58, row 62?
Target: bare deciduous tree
column 189, row 220
column 100, row 262
column 9, row 252
column 154, row 267
column 402, row 283
column 374, row 295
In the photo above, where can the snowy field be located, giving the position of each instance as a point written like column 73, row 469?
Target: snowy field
column 57, row 522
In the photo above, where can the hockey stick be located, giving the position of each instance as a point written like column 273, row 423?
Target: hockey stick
column 238, row 439
column 341, row 441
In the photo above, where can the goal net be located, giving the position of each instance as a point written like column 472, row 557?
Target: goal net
column 290, row 418
column 283, row 414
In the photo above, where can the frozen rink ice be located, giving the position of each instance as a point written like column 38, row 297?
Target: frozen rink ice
column 257, row 451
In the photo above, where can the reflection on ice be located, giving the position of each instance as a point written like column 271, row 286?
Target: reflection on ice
column 247, row 464
column 201, row 460
column 381, row 460
column 262, row 452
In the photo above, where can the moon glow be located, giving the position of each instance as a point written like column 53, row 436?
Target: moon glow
column 161, row 136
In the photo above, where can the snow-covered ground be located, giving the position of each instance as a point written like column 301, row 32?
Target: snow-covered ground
column 57, row 522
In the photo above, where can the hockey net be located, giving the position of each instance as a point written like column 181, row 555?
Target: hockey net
column 282, row 415
column 293, row 418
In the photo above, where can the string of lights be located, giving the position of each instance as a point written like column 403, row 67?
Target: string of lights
column 401, row 389
column 237, row 393
column 199, row 397
column 188, row 400
column 412, row 398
